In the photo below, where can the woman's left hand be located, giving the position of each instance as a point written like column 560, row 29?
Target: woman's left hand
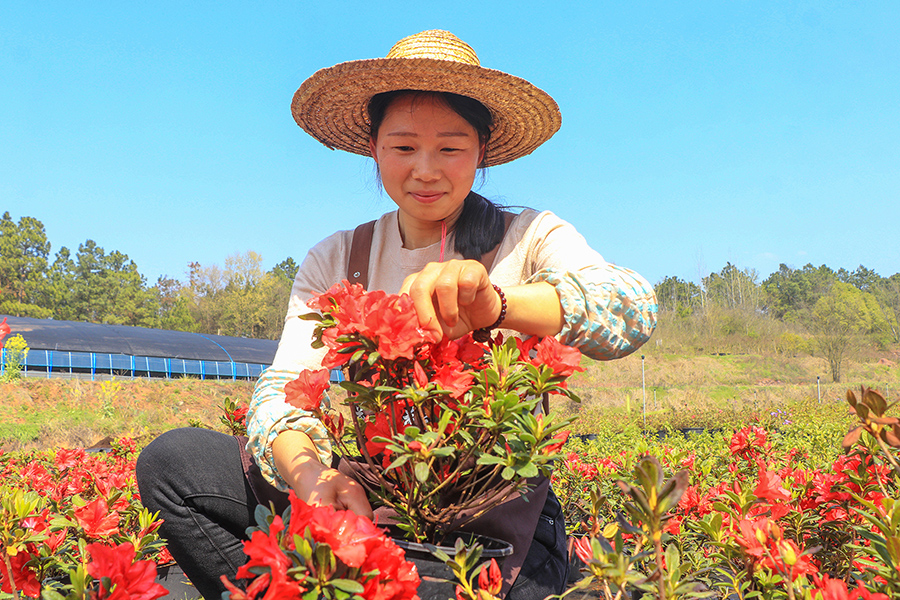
column 453, row 298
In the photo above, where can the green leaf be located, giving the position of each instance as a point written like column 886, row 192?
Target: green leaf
column 348, row 585
column 422, row 472
column 528, row 470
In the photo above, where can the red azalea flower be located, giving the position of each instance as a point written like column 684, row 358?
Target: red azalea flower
column 583, row 549
column 454, row 378
column 673, row 525
column 65, row 458
column 239, row 414
column 747, row 441
column 24, row 576
column 256, row 586
column 5, row 330
column 381, row 427
column 96, row 519
column 865, row 594
column 470, row 352
column 395, row 326
column 165, row 557
column 306, row 391
column 340, row 294
column 358, row 543
column 561, row 438
column 419, row 375
column 334, row 425
column 770, row 488
column 128, row 579
column 563, row 360
column 489, row 579
column 827, row 588
column 265, row 552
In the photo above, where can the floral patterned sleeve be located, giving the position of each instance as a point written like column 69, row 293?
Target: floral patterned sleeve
column 610, row 311
column 271, row 416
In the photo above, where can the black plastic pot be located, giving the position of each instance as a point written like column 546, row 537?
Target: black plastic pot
column 438, row 582
column 173, row 579
column 170, row 577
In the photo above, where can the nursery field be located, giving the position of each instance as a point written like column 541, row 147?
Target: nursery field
column 680, row 392
column 732, row 484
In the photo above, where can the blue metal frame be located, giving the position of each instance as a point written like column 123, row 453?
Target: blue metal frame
column 55, row 362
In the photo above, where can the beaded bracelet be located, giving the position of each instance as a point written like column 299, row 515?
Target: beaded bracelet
column 484, row 334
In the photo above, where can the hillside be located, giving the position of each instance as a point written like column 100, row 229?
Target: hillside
column 680, row 391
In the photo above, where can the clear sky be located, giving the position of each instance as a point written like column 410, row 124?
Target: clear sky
column 694, row 133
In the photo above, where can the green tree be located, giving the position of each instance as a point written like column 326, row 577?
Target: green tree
column 203, row 292
column 173, row 302
column 677, row 296
column 863, row 279
column 734, row 288
column 286, row 269
column 23, row 267
column 106, row 288
column 790, row 293
column 888, row 296
column 839, row 319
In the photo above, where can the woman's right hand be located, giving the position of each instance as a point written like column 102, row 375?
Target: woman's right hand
column 298, row 464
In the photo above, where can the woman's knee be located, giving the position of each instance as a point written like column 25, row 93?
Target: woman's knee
column 180, row 460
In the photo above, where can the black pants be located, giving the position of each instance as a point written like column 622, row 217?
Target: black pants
column 194, row 479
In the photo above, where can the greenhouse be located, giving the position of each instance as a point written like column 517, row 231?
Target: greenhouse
column 73, row 349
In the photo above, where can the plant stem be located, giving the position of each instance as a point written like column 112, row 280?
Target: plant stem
column 9, row 570
column 890, row 457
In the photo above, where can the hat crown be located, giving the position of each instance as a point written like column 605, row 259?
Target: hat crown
column 435, row 44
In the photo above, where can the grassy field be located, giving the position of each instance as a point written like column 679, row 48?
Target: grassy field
column 679, row 391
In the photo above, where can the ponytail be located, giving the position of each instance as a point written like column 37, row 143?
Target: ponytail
column 479, row 228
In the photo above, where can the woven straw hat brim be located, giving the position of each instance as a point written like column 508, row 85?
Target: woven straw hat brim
column 331, row 104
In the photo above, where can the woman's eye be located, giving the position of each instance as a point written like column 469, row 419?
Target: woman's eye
column 403, row 148
column 451, row 149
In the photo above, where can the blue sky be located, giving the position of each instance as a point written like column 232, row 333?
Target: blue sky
column 694, row 133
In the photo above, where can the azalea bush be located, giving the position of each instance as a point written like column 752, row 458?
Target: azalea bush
column 757, row 520
column 72, row 526
column 320, row 552
column 443, row 431
column 71, row 522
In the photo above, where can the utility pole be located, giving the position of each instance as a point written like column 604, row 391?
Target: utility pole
column 644, row 391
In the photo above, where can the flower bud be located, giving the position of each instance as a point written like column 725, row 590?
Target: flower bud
column 761, row 536
column 788, row 554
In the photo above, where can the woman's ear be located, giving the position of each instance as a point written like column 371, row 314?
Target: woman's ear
column 372, row 147
column 481, row 152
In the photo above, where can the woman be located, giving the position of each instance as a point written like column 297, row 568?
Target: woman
column 430, row 117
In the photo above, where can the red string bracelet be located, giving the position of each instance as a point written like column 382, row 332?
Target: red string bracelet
column 484, row 334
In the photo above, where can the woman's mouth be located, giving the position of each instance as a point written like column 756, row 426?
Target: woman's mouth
column 427, row 197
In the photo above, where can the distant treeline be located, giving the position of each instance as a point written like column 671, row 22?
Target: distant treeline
column 238, row 299
column 814, row 310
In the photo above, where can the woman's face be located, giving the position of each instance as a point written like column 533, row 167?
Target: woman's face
column 427, row 156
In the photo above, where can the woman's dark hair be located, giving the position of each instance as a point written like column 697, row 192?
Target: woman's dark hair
column 480, row 225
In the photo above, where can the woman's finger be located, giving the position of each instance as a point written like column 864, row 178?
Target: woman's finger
column 419, row 286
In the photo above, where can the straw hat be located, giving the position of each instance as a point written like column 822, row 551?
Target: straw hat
column 331, row 105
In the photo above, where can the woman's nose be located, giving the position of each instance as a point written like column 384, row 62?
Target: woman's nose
column 426, row 168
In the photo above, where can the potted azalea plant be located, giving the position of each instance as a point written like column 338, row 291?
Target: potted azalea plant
column 438, row 432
